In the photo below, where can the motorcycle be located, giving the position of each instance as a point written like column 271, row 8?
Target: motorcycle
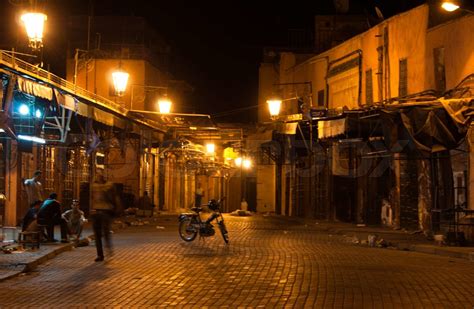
column 191, row 224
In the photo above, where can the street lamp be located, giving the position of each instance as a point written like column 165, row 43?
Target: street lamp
column 210, row 148
column 453, row 5
column 164, row 105
column 274, row 106
column 34, row 24
column 449, row 6
column 120, row 79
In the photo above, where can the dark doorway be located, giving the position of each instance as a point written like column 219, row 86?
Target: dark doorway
column 251, row 193
column 344, row 198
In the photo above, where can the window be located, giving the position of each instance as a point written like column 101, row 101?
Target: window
column 321, row 98
column 403, row 78
column 369, row 98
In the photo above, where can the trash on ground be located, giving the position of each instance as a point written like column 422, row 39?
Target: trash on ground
column 241, row 213
column 371, row 239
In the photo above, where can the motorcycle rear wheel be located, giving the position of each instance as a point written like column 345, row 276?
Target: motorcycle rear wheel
column 225, row 234
column 187, row 232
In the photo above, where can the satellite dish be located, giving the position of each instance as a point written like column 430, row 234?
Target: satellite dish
column 379, row 13
column 342, row 6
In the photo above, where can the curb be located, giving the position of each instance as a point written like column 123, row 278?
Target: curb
column 30, row 266
column 27, row 267
column 406, row 246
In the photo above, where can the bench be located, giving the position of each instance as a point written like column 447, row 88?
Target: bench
column 30, row 238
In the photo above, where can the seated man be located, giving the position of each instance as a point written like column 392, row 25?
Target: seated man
column 50, row 215
column 74, row 219
column 29, row 221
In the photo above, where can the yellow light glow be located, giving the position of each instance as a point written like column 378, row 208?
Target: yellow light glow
column 246, row 163
column 210, row 148
column 120, row 79
column 449, row 6
column 274, row 107
column 164, row 105
column 238, row 161
column 193, row 128
column 34, row 24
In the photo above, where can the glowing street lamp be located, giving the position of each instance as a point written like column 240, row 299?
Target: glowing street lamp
column 164, row 105
column 274, row 106
column 210, row 148
column 238, row 161
column 246, row 163
column 450, row 6
column 120, row 80
column 454, row 5
column 34, row 24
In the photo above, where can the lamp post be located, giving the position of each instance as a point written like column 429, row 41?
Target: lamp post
column 244, row 164
column 274, row 106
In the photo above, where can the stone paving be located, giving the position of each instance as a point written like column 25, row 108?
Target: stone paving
column 269, row 263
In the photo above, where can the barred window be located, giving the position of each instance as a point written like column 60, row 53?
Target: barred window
column 369, row 98
column 403, row 78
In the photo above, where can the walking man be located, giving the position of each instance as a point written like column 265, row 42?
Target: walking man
column 102, row 210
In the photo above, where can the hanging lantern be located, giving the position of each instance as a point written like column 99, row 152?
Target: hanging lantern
column 120, row 79
column 34, row 24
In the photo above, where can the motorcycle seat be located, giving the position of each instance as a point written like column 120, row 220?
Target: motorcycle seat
column 196, row 209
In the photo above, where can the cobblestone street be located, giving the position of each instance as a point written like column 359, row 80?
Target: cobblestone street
column 270, row 262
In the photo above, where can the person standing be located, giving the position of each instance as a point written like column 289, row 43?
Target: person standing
column 34, row 188
column 49, row 214
column 198, row 194
column 102, row 210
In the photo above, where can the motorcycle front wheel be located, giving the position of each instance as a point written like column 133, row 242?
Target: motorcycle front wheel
column 224, row 233
column 187, row 232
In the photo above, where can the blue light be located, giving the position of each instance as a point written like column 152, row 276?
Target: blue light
column 24, row 109
column 35, row 139
column 38, row 113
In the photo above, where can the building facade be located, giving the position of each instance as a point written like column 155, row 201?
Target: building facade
column 401, row 67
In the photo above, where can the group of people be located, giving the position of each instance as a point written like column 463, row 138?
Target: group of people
column 48, row 213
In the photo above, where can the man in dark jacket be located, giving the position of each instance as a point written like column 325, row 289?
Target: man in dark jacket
column 50, row 215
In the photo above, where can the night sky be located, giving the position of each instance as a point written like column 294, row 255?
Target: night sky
column 216, row 46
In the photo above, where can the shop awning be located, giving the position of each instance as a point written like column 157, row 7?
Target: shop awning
column 99, row 115
column 438, row 126
column 331, row 128
column 34, row 88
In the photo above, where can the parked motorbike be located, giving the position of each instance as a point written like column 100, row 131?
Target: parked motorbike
column 191, row 224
